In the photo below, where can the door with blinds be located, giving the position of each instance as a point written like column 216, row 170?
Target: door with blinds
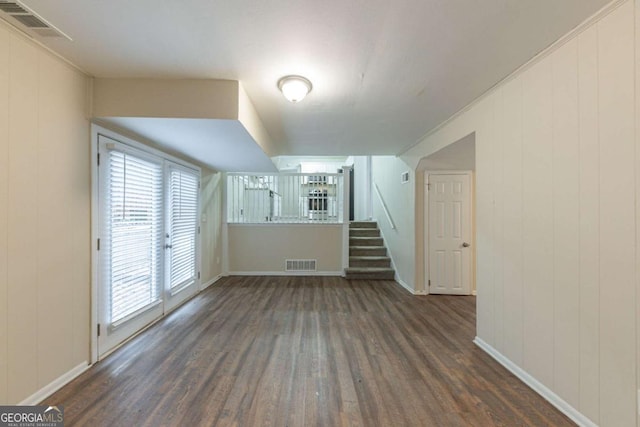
column 181, row 226
column 148, row 258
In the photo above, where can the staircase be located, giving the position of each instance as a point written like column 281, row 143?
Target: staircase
column 367, row 254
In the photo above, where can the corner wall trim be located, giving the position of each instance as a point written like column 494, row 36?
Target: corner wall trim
column 571, row 412
column 210, row 282
column 403, row 284
column 55, row 385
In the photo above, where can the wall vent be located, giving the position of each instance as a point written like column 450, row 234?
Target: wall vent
column 300, row 265
column 29, row 21
column 404, row 177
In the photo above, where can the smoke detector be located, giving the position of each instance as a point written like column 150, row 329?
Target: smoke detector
column 20, row 16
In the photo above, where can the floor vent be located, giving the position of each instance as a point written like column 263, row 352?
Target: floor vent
column 300, row 265
column 29, row 20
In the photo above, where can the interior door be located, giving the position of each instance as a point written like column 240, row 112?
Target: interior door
column 450, row 233
column 130, row 246
column 181, row 234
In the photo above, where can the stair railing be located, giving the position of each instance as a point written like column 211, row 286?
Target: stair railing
column 384, row 206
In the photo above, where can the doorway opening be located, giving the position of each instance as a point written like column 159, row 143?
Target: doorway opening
column 449, row 254
column 146, row 259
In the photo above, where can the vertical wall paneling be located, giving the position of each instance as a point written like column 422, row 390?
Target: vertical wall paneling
column 512, row 220
column 4, row 188
column 78, row 183
column 566, row 208
column 589, row 241
column 484, row 226
column 564, row 217
column 54, row 229
column 637, row 212
column 498, row 221
column 44, row 219
column 22, row 236
column 617, row 218
column 537, row 226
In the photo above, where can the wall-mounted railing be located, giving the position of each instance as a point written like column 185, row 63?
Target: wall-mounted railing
column 287, row 198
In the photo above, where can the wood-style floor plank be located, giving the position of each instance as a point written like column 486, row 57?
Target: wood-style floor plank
column 306, row 351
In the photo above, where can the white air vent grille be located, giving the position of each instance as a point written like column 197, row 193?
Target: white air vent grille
column 28, row 19
column 300, row 265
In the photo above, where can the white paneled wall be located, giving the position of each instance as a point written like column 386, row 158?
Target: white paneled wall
column 23, row 216
column 556, row 158
column 588, row 222
column 4, row 202
column 44, row 218
column 617, row 216
column 512, row 214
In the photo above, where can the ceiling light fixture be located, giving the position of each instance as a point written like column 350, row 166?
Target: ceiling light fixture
column 294, row 88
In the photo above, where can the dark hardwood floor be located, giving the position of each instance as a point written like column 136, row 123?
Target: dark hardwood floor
column 306, row 351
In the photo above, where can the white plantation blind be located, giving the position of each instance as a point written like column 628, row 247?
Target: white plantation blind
column 134, row 233
column 183, row 222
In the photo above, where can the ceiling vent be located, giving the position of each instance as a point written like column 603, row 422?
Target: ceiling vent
column 27, row 20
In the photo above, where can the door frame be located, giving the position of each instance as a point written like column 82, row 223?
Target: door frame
column 472, row 225
column 96, row 131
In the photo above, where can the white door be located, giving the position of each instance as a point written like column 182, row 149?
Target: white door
column 181, row 234
column 148, row 239
column 450, row 233
column 131, row 237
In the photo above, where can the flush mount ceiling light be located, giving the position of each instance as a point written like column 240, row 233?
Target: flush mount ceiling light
column 294, row 88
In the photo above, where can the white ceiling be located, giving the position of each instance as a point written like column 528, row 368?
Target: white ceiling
column 384, row 72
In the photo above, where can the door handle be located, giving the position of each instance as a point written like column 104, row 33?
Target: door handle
column 465, row 245
column 168, row 246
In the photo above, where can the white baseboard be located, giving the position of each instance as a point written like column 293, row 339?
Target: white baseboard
column 571, row 412
column 286, row 273
column 404, row 284
column 210, row 282
column 55, row 385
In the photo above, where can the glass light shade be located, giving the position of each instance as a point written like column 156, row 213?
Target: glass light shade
column 294, row 88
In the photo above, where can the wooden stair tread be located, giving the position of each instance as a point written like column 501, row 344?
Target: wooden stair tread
column 363, row 224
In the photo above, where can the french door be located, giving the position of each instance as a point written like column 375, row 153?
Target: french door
column 181, row 232
column 148, row 257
